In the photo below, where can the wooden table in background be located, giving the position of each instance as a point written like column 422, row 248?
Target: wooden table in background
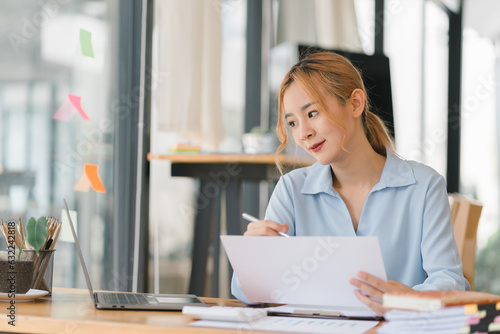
column 218, row 173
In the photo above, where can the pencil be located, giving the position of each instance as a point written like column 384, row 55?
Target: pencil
column 4, row 233
column 255, row 219
column 23, row 240
column 17, row 237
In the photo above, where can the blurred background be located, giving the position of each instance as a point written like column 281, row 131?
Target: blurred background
column 151, row 74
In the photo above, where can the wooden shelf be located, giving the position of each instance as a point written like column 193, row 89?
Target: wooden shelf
column 288, row 160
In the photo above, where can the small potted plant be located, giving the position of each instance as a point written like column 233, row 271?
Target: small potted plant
column 16, row 270
column 260, row 141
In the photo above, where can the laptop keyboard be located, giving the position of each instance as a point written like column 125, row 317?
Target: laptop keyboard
column 122, row 299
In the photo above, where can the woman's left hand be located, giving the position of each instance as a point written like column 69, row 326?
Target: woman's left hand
column 372, row 289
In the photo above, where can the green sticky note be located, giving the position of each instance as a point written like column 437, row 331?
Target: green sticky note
column 86, row 43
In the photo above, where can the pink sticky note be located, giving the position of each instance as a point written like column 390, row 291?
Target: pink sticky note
column 65, row 112
column 76, row 101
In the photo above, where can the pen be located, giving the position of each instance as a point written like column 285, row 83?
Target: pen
column 254, row 219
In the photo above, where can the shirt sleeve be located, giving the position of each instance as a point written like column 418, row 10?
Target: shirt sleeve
column 281, row 208
column 440, row 258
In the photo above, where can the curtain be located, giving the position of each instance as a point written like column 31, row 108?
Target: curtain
column 334, row 24
column 188, row 55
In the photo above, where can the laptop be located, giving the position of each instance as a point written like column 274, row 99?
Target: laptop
column 131, row 301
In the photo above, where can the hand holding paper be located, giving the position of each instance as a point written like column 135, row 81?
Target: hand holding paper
column 372, row 289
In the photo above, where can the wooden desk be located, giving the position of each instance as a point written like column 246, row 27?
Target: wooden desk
column 70, row 311
column 222, row 173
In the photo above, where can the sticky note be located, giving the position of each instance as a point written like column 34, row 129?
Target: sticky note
column 68, row 109
column 65, row 112
column 83, row 184
column 76, row 101
column 90, row 178
column 95, row 180
column 86, row 43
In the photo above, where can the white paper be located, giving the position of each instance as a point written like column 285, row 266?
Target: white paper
column 293, row 325
column 303, row 270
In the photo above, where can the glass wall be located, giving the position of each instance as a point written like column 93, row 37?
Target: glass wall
column 60, row 109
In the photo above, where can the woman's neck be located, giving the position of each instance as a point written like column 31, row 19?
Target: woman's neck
column 361, row 168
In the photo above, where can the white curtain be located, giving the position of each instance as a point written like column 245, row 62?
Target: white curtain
column 188, row 57
column 329, row 24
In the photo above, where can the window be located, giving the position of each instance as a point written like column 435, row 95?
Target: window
column 69, row 100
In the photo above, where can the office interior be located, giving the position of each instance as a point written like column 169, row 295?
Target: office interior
column 205, row 72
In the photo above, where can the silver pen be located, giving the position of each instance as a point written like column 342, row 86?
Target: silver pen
column 251, row 218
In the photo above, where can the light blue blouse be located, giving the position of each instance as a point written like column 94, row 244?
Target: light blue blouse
column 407, row 209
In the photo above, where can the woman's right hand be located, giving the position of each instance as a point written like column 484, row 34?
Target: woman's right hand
column 265, row 227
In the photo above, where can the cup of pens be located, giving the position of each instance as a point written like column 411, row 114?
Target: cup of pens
column 36, row 244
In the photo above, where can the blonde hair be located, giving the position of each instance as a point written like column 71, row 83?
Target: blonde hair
column 327, row 73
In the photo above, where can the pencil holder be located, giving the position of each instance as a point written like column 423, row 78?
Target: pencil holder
column 43, row 271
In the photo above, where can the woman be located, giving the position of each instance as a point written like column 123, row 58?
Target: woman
column 359, row 186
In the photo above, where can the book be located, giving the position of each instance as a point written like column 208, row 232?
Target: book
column 435, row 300
column 185, row 148
column 454, row 319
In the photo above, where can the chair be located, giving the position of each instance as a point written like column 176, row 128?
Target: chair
column 465, row 215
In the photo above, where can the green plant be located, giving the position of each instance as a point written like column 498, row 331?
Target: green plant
column 487, row 270
column 36, row 233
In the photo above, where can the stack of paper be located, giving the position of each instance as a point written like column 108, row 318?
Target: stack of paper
column 454, row 319
column 441, row 312
column 293, row 325
column 434, row 300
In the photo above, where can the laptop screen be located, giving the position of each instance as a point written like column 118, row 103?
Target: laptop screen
column 80, row 255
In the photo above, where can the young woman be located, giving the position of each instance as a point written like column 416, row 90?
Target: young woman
column 359, row 186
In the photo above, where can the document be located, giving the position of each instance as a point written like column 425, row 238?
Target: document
column 312, row 271
column 293, row 325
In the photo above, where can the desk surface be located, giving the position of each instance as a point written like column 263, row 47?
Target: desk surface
column 233, row 158
column 71, row 311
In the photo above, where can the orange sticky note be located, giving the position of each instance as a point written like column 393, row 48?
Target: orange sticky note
column 95, row 180
column 68, row 109
column 83, row 184
column 90, row 178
